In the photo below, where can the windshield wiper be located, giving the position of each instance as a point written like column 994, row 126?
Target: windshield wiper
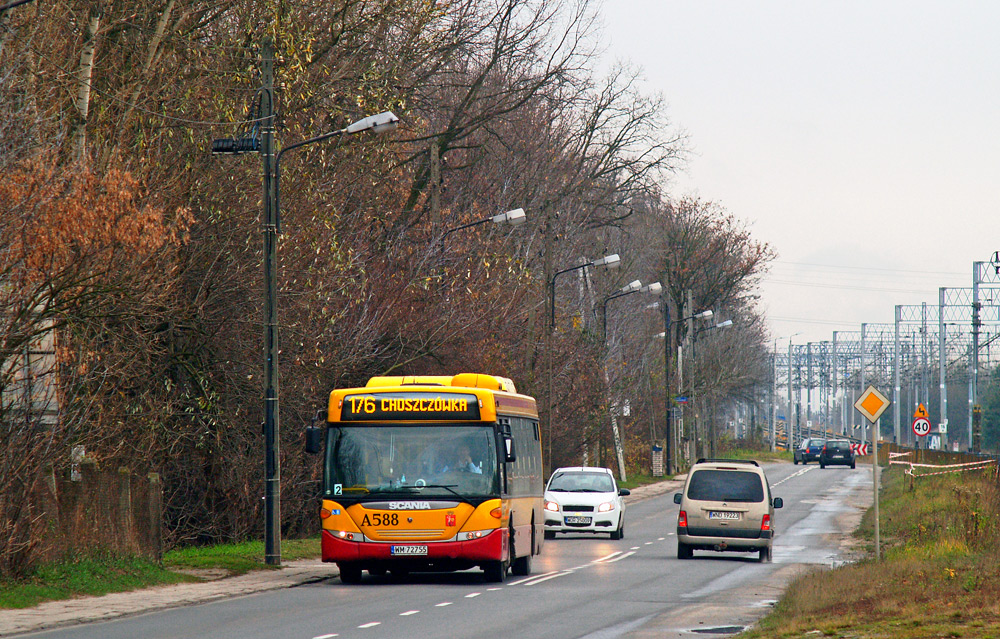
column 447, row 487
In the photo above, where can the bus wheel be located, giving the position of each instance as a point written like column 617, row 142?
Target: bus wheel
column 496, row 571
column 350, row 573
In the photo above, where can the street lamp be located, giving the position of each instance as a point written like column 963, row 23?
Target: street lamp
column 665, row 335
column 379, row 123
column 694, row 354
column 608, row 261
column 632, row 287
column 514, row 217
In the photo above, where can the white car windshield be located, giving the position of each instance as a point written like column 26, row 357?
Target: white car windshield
column 582, row 482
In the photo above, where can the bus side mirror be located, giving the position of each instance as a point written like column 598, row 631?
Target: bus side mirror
column 509, row 454
column 314, row 439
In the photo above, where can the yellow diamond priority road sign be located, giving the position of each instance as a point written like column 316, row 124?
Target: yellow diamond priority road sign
column 871, row 404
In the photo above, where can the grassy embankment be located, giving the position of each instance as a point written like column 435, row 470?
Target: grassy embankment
column 939, row 576
column 95, row 575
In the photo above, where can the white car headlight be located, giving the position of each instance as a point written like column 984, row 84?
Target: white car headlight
column 606, row 506
column 552, row 506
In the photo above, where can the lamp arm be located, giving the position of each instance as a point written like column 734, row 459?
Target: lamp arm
column 277, row 169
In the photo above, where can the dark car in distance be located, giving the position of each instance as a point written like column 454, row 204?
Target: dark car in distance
column 808, row 450
column 837, row 452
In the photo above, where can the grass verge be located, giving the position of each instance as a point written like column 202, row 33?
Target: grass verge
column 101, row 575
column 940, row 575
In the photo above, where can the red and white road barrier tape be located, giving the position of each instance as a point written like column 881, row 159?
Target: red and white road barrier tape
column 952, row 468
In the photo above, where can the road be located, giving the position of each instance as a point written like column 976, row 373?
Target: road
column 580, row 587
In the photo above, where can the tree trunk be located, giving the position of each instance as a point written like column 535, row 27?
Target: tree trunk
column 84, row 75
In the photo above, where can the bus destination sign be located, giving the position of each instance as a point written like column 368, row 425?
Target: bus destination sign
column 410, row 406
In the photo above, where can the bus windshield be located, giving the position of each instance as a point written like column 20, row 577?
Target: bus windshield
column 432, row 460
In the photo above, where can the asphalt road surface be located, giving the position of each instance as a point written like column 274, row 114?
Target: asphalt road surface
column 580, row 587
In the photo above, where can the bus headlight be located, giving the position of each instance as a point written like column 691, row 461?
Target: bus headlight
column 343, row 534
column 606, row 507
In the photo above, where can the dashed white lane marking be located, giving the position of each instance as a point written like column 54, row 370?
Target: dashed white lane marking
column 493, row 589
column 516, row 583
column 472, row 594
column 634, row 548
column 661, row 538
column 804, row 470
column 370, row 624
column 607, row 557
column 408, row 613
column 326, row 636
column 620, row 557
column 648, row 543
column 578, row 567
column 547, row 577
column 442, row 604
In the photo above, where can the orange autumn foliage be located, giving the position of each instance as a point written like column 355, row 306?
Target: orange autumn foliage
column 55, row 216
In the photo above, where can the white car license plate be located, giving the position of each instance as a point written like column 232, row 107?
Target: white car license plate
column 578, row 520
column 407, row 550
column 716, row 514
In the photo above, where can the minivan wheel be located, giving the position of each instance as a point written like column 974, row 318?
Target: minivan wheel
column 852, row 465
column 764, row 555
column 684, row 551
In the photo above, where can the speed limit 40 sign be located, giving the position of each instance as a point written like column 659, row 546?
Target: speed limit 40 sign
column 921, row 426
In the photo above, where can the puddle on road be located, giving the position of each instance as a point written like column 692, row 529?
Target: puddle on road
column 721, row 630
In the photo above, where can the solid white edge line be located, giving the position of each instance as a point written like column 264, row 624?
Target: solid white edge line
column 628, row 554
column 516, row 583
column 606, row 558
column 538, row 581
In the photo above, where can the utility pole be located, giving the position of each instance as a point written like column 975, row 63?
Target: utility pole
column 272, row 494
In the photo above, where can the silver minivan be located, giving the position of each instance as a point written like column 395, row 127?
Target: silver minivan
column 726, row 506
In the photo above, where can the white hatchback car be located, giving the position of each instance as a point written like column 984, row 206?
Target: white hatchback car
column 582, row 499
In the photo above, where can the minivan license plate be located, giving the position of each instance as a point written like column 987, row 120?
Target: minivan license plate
column 407, row 550
column 715, row 514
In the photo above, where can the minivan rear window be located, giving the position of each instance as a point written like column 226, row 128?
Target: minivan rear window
column 725, row 485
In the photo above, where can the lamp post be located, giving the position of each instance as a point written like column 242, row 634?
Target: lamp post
column 514, row 217
column 380, row 123
column 668, row 443
column 632, row 287
column 694, row 342
column 608, row 261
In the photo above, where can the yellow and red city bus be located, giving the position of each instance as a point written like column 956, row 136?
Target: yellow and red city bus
column 431, row 473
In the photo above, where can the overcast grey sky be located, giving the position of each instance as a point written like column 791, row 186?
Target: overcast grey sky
column 860, row 139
